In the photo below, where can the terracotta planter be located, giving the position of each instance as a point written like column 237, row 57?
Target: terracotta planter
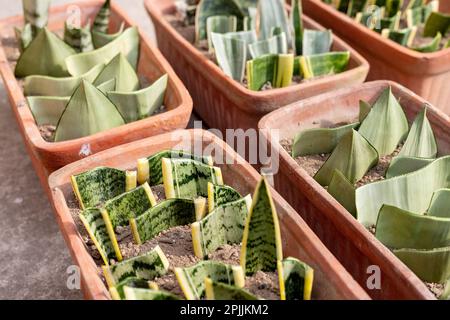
column 427, row 74
column 47, row 157
column 345, row 237
column 331, row 279
column 223, row 103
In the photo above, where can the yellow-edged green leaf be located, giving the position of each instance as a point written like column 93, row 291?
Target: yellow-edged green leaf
column 324, row 64
column 221, row 291
column 276, row 69
column 296, row 279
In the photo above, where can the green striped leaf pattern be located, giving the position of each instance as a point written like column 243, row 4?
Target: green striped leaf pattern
column 221, row 291
column 221, row 194
column 297, row 278
column 131, row 282
column 78, row 38
column 101, row 22
column 96, row 186
column 101, row 39
column 36, row 13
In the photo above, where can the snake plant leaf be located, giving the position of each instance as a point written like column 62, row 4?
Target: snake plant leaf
column 397, row 229
column 342, row 5
column 48, row 45
column 117, row 292
column 231, row 55
column 276, row 69
column 419, row 15
column 433, row 46
column 78, row 38
column 429, row 265
column 129, row 205
column 210, row 8
column 36, row 13
column 147, row 294
column 24, row 36
column 221, row 25
column 437, row 22
column 447, row 45
column 393, row 7
column 415, row 4
column 261, row 243
column 58, row 87
column 356, row 6
column 297, row 26
column 392, row 23
column 272, row 14
column 225, row 225
column 353, row 156
column 247, row 4
column 186, row 178
column 163, row 216
column 343, row 191
column 96, row 228
column 319, row 140
column 364, row 109
column 140, row 104
column 248, row 37
column 421, row 142
column 150, row 169
column 221, row 291
column 440, row 204
column 324, row 64
column 91, row 112
column 219, row 195
column 120, row 69
column 192, row 279
column 94, row 187
column 107, row 86
column 296, row 279
column 101, row 22
column 411, row 192
column 127, row 43
column 147, row 266
column 386, row 125
column 100, row 39
column 404, row 37
column 47, row 110
column 401, row 165
column 250, row 21
column 316, row 42
column 446, row 294
column 273, row 45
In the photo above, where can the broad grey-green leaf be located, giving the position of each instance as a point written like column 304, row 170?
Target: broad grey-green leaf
column 343, row 191
column 261, row 243
column 58, row 87
column 101, row 39
column 48, row 45
column 440, row 204
column 101, row 22
column 397, row 229
column 47, row 110
column 297, row 26
column 429, row 265
column 386, row 124
column 141, row 294
column 276, row 69
column 231, row 55
column 107, row 86
column 364, row 109
column 127, row 43
column 316, row 41
column 221, row 291
column 248, row 37
column 319, row 140
column 209, row 8
column 24, row 36
column 272, row 14
column 436, row 23
column 432, row 46
column 296, row 281
column 36, row 13
column 421, row 142
column 411, row 192
column 120, row 69
column 273, row 45
column 78, row 38
column 88, row 112
column 353, row 157
column 220, row 24
column 401, row 165
column 324, row 64
column 140, row 104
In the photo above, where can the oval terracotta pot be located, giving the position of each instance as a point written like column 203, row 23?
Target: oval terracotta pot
column 331, row 281
column 224, row 103
column 47, row 157
column 354, row 246
column 427, row 74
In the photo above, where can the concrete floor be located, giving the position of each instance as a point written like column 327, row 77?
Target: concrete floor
column 34, row 258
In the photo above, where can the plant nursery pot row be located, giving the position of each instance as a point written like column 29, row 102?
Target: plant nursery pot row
column 354, row 246
column 331, row 281
column 224, row 103
column 427, row 74
column 49, row 156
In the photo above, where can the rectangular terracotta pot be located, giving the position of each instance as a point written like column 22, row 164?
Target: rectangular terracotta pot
column 47, row 157
column 354, row 246
column 224, row 103
column 331, row 280
column 427, row 74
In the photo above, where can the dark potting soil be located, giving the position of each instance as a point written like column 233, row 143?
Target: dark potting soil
column 176, row 243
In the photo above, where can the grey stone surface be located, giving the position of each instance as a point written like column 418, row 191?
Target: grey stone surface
column 34, row 258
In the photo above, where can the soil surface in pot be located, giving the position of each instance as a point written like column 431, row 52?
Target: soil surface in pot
column 176, row 243
column 11, row 48
column 420, row 40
